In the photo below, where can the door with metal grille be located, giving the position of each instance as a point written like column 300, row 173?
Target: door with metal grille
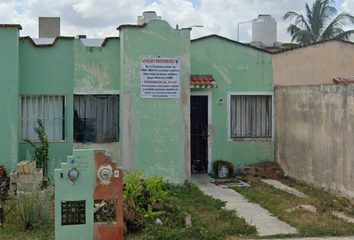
column 199, row 134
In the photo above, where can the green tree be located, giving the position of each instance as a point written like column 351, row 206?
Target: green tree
column 319, row 23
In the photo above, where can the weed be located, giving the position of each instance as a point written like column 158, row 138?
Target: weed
column 209, row 219
column 42, row 227
column 34, row 208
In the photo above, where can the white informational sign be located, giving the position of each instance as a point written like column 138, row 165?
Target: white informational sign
column 160, row 78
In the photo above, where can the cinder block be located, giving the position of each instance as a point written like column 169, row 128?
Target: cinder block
column 13, row 176
column 25, row 186
column 21, row 194
column 13, row 186
column 20, row 167
column 25, row 178
column 38, row 175
column 26, row 167
column 11, row 193
column 32, row 166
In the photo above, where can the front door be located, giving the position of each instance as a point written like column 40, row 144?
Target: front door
column 199, row 134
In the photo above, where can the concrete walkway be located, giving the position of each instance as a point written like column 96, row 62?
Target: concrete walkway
column 254, row 214
column 279, row 185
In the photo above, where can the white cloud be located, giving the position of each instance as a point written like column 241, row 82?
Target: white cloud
column 99, row 18
column 348, row 6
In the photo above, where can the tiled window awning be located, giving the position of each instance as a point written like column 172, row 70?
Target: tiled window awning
column 343, row 80
column 203, row 81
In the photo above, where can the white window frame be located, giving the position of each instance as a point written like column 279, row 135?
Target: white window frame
column 229, row 94
column 36, row 96
column 104, row 92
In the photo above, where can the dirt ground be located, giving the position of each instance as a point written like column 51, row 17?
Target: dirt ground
column 265, row 170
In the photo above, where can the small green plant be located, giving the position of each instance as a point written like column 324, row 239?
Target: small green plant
column 140, row 197
column 41, row 152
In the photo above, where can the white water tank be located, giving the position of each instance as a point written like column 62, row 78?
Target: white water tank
column 147, row 17
column 264, row 31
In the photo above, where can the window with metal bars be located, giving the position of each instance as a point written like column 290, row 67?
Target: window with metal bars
column 251, row 116
column 96, row 118
column 50, row 109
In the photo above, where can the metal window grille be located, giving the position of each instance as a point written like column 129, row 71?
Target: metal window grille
column 48, row 108
column 251, row 116
column 96, row 118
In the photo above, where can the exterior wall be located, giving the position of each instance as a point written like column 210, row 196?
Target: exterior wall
column 235, row 68
column 9, row 81
column 314, row 134
column 314, row 64
column 96, row 68
column 49, row 70
column 97, row 71
column 155, row 132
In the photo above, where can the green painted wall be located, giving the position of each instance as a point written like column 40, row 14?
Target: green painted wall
column 97, row 68
column 9, row 87
column 236, row 68
column 82, row 190
column 97, row 71
column 49, row 70
column 154, row 132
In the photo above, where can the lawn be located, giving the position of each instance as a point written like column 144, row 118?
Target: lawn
column 211, row 221
column 309, row 224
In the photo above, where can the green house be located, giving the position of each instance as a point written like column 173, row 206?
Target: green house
column 151, row 98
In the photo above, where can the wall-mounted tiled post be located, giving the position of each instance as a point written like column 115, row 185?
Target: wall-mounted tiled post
column 87, row 176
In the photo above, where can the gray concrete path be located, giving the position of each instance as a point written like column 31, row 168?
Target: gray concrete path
column 254, row 214
column 279, row 185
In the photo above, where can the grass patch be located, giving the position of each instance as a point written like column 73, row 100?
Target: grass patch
column 209, row 219
column 14, row 230
column 308, row 224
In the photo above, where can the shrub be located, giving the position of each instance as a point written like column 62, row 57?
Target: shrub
column 140, row 199
column 4, row 188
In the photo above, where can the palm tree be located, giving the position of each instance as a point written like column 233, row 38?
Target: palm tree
column 316, row 25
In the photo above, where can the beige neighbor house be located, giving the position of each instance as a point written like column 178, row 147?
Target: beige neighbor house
column 314, row 117
column 314, row 64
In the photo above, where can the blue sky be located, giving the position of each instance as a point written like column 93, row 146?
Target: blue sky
column 99, row 18
column 338, row 4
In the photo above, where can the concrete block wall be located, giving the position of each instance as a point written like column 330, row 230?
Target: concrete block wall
column 314, row 135
column 25, row 178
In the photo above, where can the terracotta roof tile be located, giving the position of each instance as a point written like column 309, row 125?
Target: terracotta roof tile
column 203, row 81
column 343, row 80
